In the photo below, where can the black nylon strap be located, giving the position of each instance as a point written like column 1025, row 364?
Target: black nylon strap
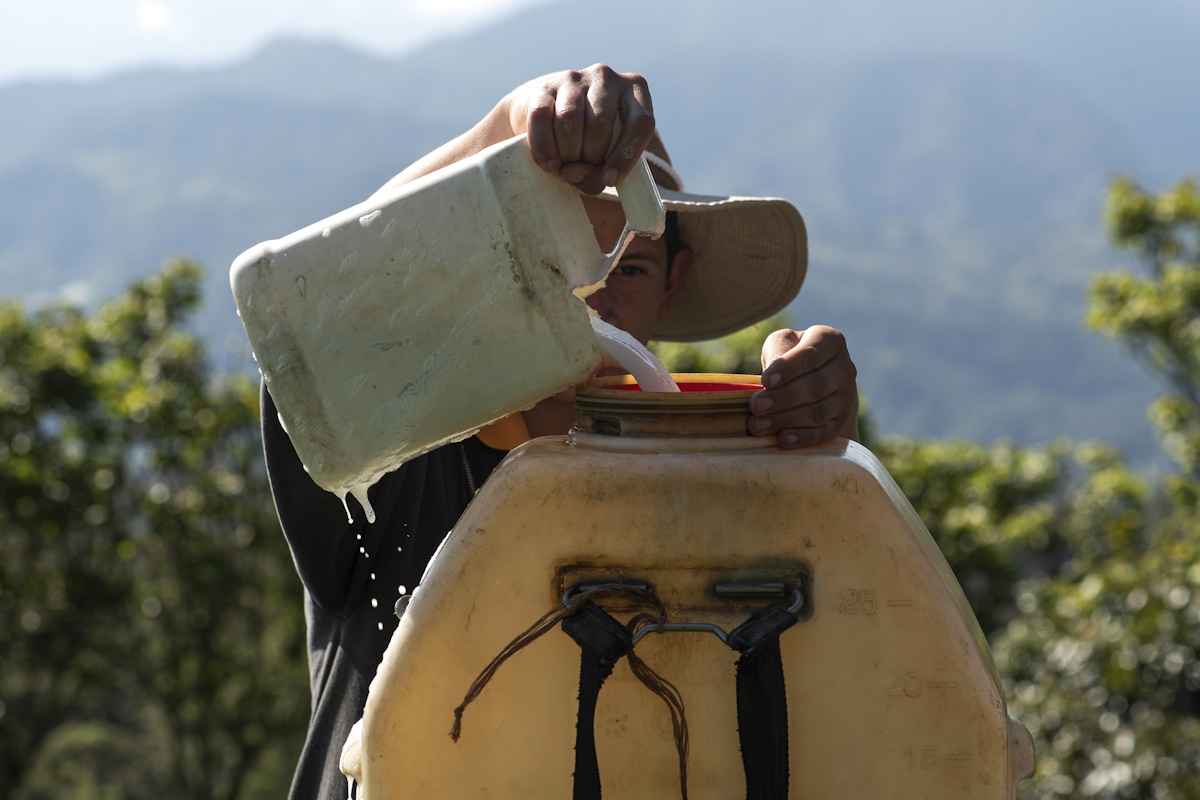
column 762, row 702
column 603, row 642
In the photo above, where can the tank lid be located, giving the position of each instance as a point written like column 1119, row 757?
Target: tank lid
column 708, row 404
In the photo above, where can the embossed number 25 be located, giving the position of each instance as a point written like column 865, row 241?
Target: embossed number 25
column 855, row 601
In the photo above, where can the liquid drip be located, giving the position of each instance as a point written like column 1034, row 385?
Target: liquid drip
column 622, row 349
column 360, row 494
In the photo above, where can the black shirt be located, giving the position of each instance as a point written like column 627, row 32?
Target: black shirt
column 354, row 572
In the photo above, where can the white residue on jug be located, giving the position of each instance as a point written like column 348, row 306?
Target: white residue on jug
column 355, row 384
column 330, row 310
column 367, row 219
column 626, row 351
column 390, row 230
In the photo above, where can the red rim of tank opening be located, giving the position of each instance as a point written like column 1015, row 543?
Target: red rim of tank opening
column 699, row 386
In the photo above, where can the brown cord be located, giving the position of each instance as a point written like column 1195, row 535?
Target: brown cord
column 641, row 670
column 536, row 631
column 669, row 694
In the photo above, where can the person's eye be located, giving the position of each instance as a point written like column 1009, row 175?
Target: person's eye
column 630, row 270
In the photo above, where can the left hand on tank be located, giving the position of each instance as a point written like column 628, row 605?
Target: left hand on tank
column 810, row 392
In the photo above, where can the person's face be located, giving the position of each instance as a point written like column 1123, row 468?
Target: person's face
column 640, row 288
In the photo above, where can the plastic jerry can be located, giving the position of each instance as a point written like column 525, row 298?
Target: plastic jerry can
column 890, row 689
column 375, row 327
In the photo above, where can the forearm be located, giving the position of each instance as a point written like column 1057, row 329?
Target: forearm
column 490, row 130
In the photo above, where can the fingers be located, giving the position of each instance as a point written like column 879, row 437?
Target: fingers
column 539, row 124
column 788, row 354
column 809, row 423
column 601, row 113
column 812, row 393
column 569, row 119
column 636, row 113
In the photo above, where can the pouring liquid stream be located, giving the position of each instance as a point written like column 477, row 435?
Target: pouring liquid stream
column 621, row 349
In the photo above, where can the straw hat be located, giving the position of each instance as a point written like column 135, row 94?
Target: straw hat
column 751, row 255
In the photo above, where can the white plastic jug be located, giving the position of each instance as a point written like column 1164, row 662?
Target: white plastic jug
column 423, row 314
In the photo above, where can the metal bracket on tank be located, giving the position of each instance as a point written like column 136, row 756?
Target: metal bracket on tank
column 722, row 590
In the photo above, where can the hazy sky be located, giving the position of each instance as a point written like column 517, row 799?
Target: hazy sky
column 83, row 38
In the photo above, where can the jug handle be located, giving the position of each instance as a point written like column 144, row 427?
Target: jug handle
column 645, row 215
column 644, row 210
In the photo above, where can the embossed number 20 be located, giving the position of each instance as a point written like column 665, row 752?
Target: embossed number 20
column 907, row 684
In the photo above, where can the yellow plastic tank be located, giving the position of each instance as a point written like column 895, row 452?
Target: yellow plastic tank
column 891, row 690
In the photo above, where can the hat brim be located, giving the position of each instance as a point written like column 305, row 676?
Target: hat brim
column 751, row 256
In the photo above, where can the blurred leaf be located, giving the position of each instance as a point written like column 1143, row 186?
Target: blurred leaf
column 141, row 565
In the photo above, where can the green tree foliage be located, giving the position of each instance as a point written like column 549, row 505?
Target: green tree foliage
column 143, row 581
column 994, row 511
column 1003, row 514
column 1102, row 668
column 98, row 761
column 736, row 354
column 1157, row 315
column 1102, row 662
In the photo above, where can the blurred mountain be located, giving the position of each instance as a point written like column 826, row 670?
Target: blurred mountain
column 950, row 160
